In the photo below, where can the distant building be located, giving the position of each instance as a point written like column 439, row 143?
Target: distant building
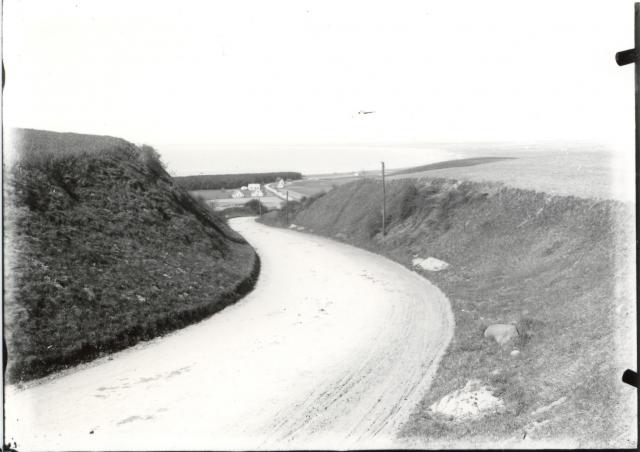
column 237, row 194
column 281, row 183
column 253, row 187
column 244, row 187
column 257, row 193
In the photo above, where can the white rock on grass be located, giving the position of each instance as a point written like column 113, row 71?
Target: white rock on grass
column 501, row 332
column 292, row 226
column 430, row 264
column 472, row 401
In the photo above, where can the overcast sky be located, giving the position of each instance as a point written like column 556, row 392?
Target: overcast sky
column 205, row 81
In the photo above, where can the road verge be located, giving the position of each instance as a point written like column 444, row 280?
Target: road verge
column 556, row 267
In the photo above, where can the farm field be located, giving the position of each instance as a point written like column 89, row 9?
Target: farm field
column 582, row 171
column 308, row 187
column 448, row 164
column 586, row 172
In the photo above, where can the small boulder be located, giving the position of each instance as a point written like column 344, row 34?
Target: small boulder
column 501, row 332
column 472, row 401
column 430, row 264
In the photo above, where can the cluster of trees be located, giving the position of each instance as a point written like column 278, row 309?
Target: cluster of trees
column 218, row 181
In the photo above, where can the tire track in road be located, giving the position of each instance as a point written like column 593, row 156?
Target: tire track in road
column 365, row 405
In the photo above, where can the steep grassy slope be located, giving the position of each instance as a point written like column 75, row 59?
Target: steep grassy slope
column 555, row 266
column 102, row 250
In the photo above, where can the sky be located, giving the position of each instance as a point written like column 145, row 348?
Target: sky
column 238, row 85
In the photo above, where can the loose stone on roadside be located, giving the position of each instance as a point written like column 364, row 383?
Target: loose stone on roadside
column 473, row 401
column 430, row 264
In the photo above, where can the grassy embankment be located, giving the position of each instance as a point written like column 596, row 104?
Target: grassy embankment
column 552, row 265
column 102, row 250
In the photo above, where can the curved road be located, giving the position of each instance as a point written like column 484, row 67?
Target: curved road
column 333, row 349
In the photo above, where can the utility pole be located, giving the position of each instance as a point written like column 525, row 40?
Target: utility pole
column 286, row 208
column 384, row 204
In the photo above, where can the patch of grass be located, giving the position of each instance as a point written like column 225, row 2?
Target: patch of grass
column 103, row 251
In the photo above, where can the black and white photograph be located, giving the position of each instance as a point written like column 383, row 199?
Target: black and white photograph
column 319, row 224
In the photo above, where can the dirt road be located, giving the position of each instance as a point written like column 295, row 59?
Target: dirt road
column 333, row 349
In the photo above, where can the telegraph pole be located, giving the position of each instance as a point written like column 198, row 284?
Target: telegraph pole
column 384, row 204
column 286, row 208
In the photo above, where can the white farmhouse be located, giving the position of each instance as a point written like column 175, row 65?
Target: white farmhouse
column 253, row 187
column 280, row 183
column 237, row 194
column 257, row 193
